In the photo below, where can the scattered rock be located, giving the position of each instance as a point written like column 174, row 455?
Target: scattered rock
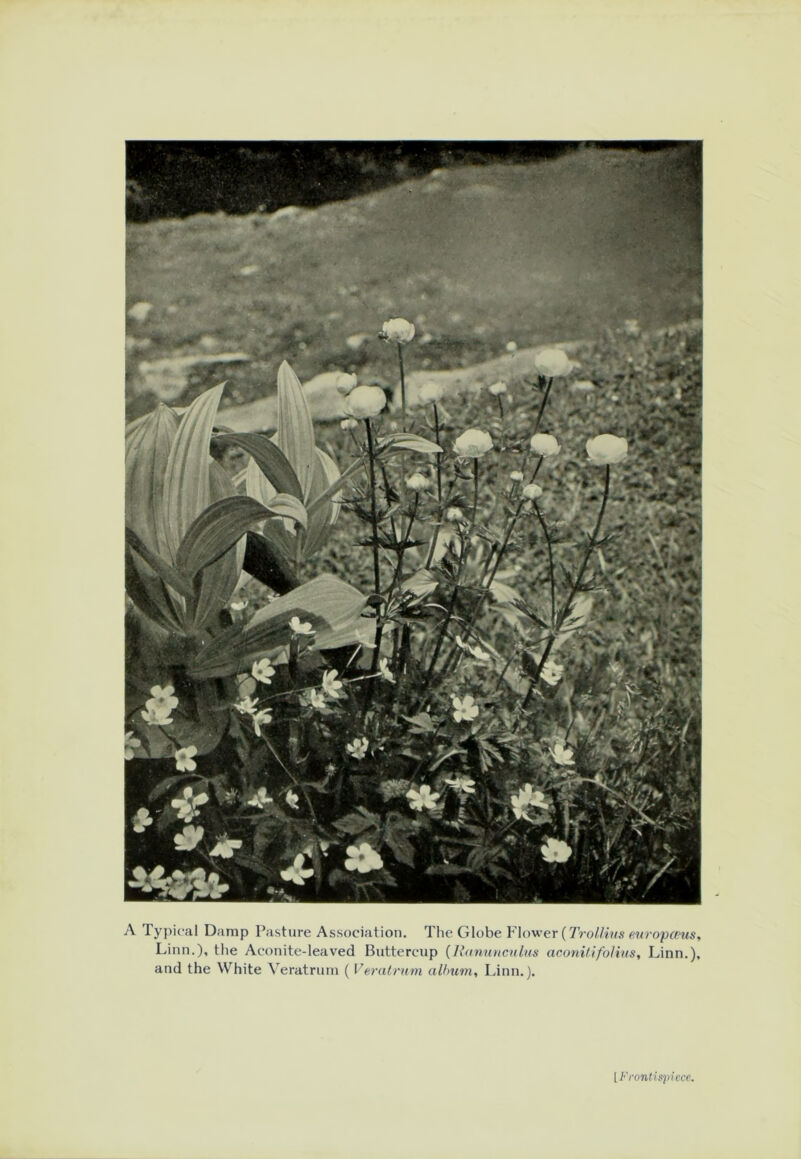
column 168, row 378
column 583, row 385
column 249, row 271
column 139, row 311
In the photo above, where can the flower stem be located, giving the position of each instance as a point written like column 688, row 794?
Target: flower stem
column 403, row 384
column 540, row 412
column 373, row 507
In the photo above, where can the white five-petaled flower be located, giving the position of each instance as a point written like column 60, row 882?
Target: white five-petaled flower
column 546, row 446
column 551, row 672
column 239, row 604
column 473, row 443
column 532, row 492
column 365, row 402
column 145, row 881
column 462, row 783
column 204, row 887
column 418, row 482
column 226, row 846
column 332, row 685
column 398, row 330
column 156, row 714
column 296, row 873
column 263, row 671
column 184, row 761
column 384, row 670
column 464, row 708
column 562, row 754
column 132, row 743
column 300, row 627
column 362, row 858
column 552, row 363
column 422, row 799
column 163, row 697
column 190, row 838
column 604, row 450
column 345, row 382
column 358, row 747
column 314, row 698
column 188, row 805
column 178, row 885
column 262, row 717
column 291, row 798
column 497, row 388
column 247, row 706
column 525, row 799
column 429, row 392
column 141, row 819
column 554, row 850
column 260, row 798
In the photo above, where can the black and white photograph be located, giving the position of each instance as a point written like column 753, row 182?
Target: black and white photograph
column 413, row 521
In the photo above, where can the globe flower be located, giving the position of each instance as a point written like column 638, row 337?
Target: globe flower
column 362, row 858
column 348, row 424
column 430, row 392
column 532, row 491
column 397, row 330
column 473, row 444
column 604, row 450
column 544, row 445
column 345, row 383
column 497, row 388
column 552, row 363
column 365, row 402
column 516, row 476
column 555, row 851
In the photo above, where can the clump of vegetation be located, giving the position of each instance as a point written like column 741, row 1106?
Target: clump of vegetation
column 429, row 689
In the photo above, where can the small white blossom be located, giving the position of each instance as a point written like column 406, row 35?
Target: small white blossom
column 206, row 887
column 532, row 492
column 247, row 706
column 163, row 697
column 362, row 858
column 314, row 698
column 188, row 805
column 239, row 604
column 430, row 392
column 132, row 743
column 497, row 388
column 324, row 846
column 462, row 783
column 260, row 718
column 184, row 761
column 156, row 714
column 263, row 671
column 418, row 482
column 141, row 819
column 384, row 670
column 296, row 873
column 516, row 476
column 464, row 708
column 291, row 798
column 145, row 881
column 260, row 798
column 398, row 330
column 422, row 799
column 179, row 885
column 300, row 628
column 332, row 685
column 348, row 424
column 555, row 851
column 358, row 747
column 190, row 838
column 226, row 846
column 562, row 754
column 345, row 382
column 551, row 672
column 552, row 363
column 455, row 515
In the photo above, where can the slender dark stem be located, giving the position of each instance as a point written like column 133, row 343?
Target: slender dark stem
column 403, row 384
column 438, row 458
column 548, row 386
column 551, row 575
column 373, row 507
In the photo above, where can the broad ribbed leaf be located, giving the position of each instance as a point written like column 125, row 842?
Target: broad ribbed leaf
column 267, row 561
column 406, row 442
column 318, row 500
column 269, row 458
column 163, row 569
column 295, row 433
column 219, row 579
column 325, row 516
column 223, row 523
column 187, row 487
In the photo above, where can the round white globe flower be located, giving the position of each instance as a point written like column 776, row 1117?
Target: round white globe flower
column 348, row 424
column 552, row 363
column 430, row 392
column 607, row 449
column 516, row 476
column 418, row 482
column 497, row 388
column 545, row 446
column 346, row 382
column 365, row 402
column 532, row 491
column 473, row 444
column 398, row 330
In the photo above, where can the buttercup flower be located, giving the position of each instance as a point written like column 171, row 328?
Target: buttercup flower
column 551, row 672
column 163, row 697
column 296, row 873
column 532, row 491
column 332, row 685
column 260, row 798
column 309, row 849
column 314, row 698
column 247, row 705
column 190, row 838
column 300, row 628
column 183, row 759
column 462, row 783
column 607, row 449
column 552, row 363
column 141, row 819
column 544, row 445
column 156, row 714
column 384, row 670
column 179, row 885
column 365, row 402
column 263, row 671
column 348, row 424
column 418, row 482
column 497, row 388
column 473, row 444
column 145, row 881
column 291, row 798
column 464, row 708
column 554, row 850
column 358, row 747
column 562, row 754
column 226, row 846
column 188, row 805
column 260, row 718
column 345, row 383
column 398, row 330
column 215, row 887
column 362, row 858
column 422, row 799
column 132, row 743
column 430, row 392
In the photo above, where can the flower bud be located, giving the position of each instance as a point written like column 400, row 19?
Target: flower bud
column 430, row 392
column 516, row 476
column 365, row 402
column 532, row 491
column 348, row 424
column 552, row 363
column 497, row 388
column 607, row 449
column 455, row 515
column 473, row 444
column 418, row 482
column 345, row 383
column 398, row 330
column 544, row 445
